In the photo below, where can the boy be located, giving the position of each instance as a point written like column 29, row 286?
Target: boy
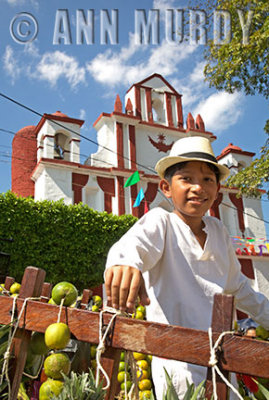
column 176, row 262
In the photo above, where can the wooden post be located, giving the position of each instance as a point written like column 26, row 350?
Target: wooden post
column 31, row 286
column 222, row 319
column 110, row 362
column 8, row 282
column 46, row 292
column 86, row 296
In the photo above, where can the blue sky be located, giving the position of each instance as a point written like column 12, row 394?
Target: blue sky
column 82, row 80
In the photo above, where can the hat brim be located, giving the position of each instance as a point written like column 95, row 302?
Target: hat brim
column 167, row 162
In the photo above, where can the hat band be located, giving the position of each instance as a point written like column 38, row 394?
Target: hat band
column 199, row 154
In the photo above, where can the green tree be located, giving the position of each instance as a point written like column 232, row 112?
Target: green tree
column 241, row 63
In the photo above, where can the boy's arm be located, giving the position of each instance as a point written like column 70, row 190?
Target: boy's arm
column 123, row 284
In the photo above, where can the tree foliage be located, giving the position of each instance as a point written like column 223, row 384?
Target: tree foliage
column 242, row 65
column 70, row 242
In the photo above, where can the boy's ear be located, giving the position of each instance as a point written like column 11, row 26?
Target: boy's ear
column 218, row 188
column 165, row 188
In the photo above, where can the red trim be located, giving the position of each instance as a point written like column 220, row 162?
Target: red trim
column 108, row 187
column 100, row 117
column 245, row 153
column 150, row 195
column 119, row 132
column 155, row 76
column 214, row 210
column 169, row 109
column 238, row 203
column 132, row 146
column 149, row 104
column 78, row 182
column 138, row 102
column 165, row 127
column 121, row 197
column 45, row 136
column 74, row 140
column 179, row 112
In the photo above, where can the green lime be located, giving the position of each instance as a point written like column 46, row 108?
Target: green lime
column 66, row 291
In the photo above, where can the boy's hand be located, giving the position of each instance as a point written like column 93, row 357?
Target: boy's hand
column 123, row 284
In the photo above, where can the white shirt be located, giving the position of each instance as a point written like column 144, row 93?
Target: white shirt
column 181, row 278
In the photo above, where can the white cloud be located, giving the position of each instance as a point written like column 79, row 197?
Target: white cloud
column 220, row 110
column 112, row 68
column 11, row 64
column 56, row 65
column 21, row 2
column 82, row 114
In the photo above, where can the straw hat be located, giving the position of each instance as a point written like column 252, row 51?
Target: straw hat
column 195, row 148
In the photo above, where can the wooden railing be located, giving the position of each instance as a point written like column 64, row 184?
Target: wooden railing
column 236, row 354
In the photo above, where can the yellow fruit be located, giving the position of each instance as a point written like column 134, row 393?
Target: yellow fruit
column 15, row 288
column 262, row 332
column 141, row 308
column 142, row 374
column 128, row 385
column 122, row 356
column 139, row 356
column 57, row 336
column 139, row 315
column 144, row 394
column 143, row 364
column 49, row 388
column 95, row 308
column 2, row 287
column 15, row 295
column 56, row 364
column 93, row 364
column 37, row 344
column 121, row 376
column 93, row 351
column 97, row 300
column 122, row 366
column 149, row 358
column 66, row 291
column 145, row 384
column 51, row 301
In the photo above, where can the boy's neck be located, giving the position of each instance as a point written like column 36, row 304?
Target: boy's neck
column 196, row 225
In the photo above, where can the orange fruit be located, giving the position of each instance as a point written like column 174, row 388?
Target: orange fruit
column 128, row 385
column 122, row 366
column 93, row 351
column 139, row 356
column 49, row 388
column 141, row 308
column 57, row 336
column 144, row 394
column 142, row 374
column 139, row 315
column 121, row 376
column 66, row 291
column 97, row 300
column 37, row 344
column 56, row 364
column 143, row 364
column 145, row 384
column 15, row 288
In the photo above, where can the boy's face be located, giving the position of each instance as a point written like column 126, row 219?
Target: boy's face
column 193, row 189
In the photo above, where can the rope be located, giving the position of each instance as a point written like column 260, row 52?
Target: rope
column 10, row 339
column 101, row 346
column 60, row 310
column 38, row 372
column 213, row 361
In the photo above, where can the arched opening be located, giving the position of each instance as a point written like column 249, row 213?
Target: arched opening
column 61, row 146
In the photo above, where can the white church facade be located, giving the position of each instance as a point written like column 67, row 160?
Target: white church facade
column 131, row 138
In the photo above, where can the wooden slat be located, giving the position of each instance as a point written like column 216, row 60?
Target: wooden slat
column 8, row 282
column 31, row 286
column 46, row 292
column 86, row 296
column 110, row 362
column 166, row 341
column 222, row 320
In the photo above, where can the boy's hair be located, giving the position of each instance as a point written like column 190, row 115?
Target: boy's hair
column 170, row 172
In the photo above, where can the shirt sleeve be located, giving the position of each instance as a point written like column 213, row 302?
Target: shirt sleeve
column 142, row 246
column 247, row 299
